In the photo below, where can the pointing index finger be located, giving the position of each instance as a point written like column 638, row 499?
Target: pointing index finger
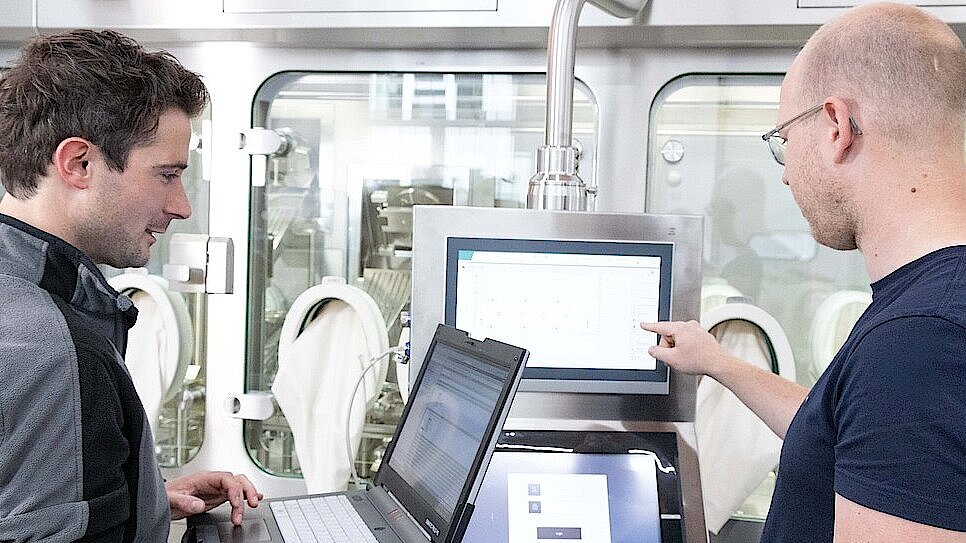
column 663, row 328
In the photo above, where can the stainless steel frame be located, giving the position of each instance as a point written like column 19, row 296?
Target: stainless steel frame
column 512, row 24
column 431, row 227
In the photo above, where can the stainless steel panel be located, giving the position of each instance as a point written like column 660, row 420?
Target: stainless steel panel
column 621, row 8
column 18, row 21
column 513, row 24
column 431, row 227
column 321, row 6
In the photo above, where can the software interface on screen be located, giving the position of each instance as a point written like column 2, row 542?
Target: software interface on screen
column 599, row 486
column 446, row 424
column 530, row 496
column 576, row 305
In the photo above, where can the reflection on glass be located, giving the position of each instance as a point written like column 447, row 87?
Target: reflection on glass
column 361, row 150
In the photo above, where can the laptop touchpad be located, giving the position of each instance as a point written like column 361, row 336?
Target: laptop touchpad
column 251, row 531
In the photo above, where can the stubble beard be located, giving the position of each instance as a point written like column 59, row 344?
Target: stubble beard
column 831, row 219
column 826, row 209
column 106, row 242
column 837, row 235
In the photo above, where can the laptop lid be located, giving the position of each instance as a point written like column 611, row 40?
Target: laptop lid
column 435, row 463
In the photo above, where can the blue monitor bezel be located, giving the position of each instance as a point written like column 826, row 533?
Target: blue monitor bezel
column 574, row 379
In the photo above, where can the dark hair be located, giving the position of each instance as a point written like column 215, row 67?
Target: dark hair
column 100, row 86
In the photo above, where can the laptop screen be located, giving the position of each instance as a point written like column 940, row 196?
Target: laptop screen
column 450, row 425
column 453, row 408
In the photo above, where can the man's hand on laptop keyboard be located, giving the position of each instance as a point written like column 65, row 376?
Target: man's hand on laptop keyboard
column 205, row 490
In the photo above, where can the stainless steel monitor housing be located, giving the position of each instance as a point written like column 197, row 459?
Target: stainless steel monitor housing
column 432, row 225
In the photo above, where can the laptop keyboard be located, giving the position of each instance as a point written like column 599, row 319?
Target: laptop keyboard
column 323, row 519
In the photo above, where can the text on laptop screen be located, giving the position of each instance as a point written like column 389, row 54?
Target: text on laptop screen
column 457, row 397
column 576, row 305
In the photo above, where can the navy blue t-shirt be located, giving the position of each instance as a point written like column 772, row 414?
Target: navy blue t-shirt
column 885, row 425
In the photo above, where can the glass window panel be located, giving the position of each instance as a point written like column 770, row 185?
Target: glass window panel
column 706, row 157
column 363, row 148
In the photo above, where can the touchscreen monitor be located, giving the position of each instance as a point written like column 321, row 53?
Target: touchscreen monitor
column 575, row 304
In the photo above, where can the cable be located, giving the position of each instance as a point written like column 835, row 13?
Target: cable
column 348, row 417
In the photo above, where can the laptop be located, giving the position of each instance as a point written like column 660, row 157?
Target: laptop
column 432, row 471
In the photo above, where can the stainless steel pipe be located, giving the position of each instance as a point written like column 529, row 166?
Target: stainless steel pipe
column 556, row 184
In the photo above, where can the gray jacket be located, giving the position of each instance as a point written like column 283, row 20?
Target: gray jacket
column 76, row 452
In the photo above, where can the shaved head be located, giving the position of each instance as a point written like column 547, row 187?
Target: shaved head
column 901, row 69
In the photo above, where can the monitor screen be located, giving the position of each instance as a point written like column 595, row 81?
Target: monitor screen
column 576, row 305
column 605, row 487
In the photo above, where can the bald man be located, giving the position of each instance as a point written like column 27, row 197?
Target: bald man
column 872, row 118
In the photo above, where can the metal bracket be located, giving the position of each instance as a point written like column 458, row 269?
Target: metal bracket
column 261, row 143
column 200, row 263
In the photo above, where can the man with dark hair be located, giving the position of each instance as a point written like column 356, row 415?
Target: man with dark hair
column 94, row 137
column 876, row 450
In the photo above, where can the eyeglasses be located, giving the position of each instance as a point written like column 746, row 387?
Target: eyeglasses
column 777, row 143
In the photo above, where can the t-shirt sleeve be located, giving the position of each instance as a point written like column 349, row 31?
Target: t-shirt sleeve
column 901, row 422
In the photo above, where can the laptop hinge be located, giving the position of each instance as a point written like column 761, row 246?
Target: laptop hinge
column 396, row 516
column 461, row 522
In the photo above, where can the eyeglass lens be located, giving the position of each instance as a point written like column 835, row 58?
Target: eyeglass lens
column 777, row 148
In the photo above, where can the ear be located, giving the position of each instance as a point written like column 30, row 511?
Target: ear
column 72, row 160
column 841, row 133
